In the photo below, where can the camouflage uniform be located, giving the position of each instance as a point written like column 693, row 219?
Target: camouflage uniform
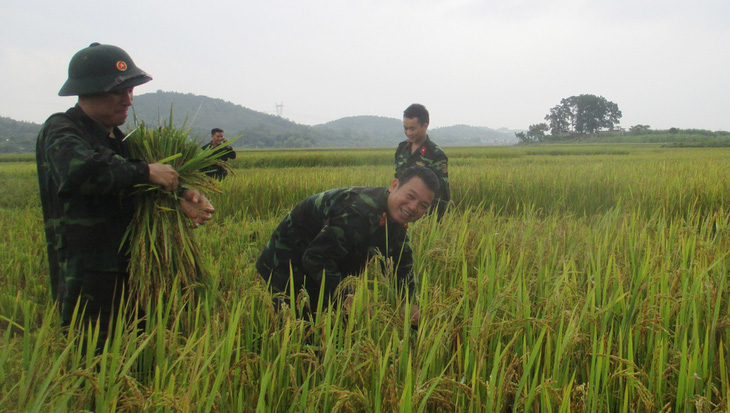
column 335, row 233
column 432, row 157
column 84, row 178
column 218, row 171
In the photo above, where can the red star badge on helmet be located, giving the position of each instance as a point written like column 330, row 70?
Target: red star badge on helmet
column 121, row 65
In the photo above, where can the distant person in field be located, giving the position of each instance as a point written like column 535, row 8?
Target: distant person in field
column 419, row 150
column 333, row 234
column 85, row 177
column 217, row 140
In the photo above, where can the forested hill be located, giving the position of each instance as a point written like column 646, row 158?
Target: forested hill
column 17, row 136
column 386, row 132
column 260, row 130
column 363, row 131
column 201, row 114
column 464, row 135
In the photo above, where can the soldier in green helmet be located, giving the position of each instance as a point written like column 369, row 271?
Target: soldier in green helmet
column 334, row 234
column 85, row 176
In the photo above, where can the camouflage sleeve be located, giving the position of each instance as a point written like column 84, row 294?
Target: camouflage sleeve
column 77, row 167
column 227, row 154
column 330, row 247
column 401, row 158
column 440, row 166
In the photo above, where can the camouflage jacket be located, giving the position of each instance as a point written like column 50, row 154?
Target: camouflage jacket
column 335, row 233
column 217, row 170
column 84, row 178
column 432, row 157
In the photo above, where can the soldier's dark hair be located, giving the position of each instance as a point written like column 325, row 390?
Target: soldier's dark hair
column 427, row 176
column 215, row 130
column 419, row 111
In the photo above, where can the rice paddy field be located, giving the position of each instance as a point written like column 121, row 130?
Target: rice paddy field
column 576, row 278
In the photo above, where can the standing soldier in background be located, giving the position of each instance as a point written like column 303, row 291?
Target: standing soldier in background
column 218, row 171
column 419, row 150
column 333, row 234
column 85, row 178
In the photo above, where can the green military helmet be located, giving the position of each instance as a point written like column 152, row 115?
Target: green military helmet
column 101, row 68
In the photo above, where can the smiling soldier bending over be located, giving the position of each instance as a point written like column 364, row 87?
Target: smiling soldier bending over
column 334, row 234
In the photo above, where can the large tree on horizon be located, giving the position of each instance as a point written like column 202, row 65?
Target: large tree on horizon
column 585, row 114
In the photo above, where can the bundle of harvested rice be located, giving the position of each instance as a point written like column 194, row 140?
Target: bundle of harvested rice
column 164, row 256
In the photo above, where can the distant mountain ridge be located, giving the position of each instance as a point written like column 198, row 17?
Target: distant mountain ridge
column 200, row 114
column 17, row 136
column 464, row 135
column 357, row 131
column 261, row 130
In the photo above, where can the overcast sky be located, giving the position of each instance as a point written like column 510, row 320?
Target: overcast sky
column 503, row 63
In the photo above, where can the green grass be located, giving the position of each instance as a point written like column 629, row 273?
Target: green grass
column 571, row 278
